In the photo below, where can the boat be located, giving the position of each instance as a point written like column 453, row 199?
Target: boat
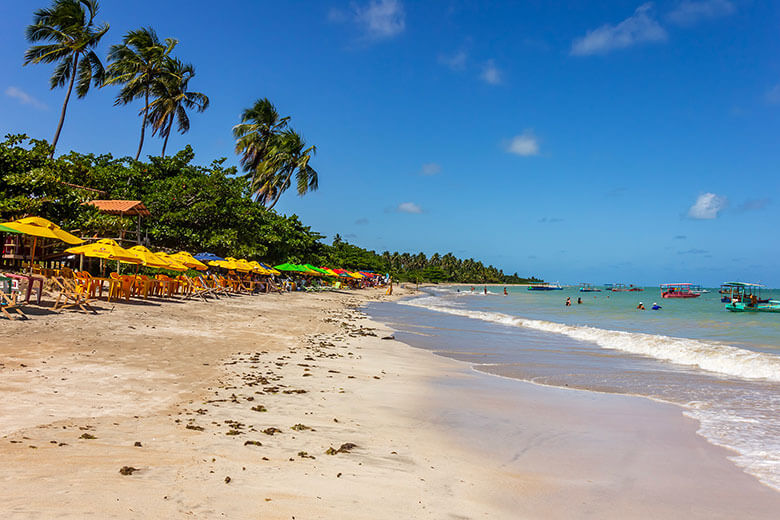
column 768, row 306
column 745, row 297
column 545, row 287
column 589, row 287
column 680, row 290
column 621, row 287
column 735, row 291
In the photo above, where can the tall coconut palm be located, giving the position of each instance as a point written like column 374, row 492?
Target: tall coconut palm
column 288, row 156
column 69, row 26
column 137, row 64
column 259, row 126
column 172, row 99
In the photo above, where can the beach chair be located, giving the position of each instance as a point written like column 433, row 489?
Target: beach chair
column 121, row 286
column 212, row 282
column 8, row 299
column 167, row 286
column 203, row 288
column 143, row 286
column 193, row 288
column 72, row 293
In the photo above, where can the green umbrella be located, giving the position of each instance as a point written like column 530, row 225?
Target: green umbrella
column 289, row 267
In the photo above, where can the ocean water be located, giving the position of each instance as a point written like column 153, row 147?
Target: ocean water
column 721, row 368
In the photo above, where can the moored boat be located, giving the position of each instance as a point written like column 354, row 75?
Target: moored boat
column 545, row 287
column 680, row 290
column 768, row 306
column 621, row 287
column 589, row 287
column 746, row 297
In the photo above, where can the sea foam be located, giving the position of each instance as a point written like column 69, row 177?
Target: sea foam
column 710, row 356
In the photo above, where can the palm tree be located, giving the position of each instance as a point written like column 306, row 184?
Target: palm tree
column 287, row 156
column 69, row 26
column 172, row 99
column 138, row 63
column 259, row 125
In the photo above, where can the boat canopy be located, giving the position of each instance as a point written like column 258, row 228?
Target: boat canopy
column 741, row 284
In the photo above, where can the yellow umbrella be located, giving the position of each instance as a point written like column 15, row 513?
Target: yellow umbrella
column 149, row 259
column 40, row 227
column 227, row 263
column 259, row 269
column 242, row 265
column 173, row 264
column 108, row 250
column 187, row 259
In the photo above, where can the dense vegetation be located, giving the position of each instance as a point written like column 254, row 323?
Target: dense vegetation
column 195, row 208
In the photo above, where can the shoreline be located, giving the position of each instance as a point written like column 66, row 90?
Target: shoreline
column 425, row 436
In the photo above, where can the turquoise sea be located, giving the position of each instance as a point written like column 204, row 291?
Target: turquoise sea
column 721, row 368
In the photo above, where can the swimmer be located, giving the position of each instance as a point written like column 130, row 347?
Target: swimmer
column 641, row 306
column 579, row 301
column 568, row 301
column 656, row 306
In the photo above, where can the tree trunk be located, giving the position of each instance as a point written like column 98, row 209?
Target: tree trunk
column 143, row 124
column 167, row 135
column 281, row 190
column 64, row 106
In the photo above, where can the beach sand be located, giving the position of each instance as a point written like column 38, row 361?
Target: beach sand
column 293, row 406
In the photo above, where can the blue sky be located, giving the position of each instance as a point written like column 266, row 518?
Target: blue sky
column 617, row 142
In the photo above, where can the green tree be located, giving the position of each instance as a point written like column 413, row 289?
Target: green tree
column 260, row 125
column 172, row 99
column 69, row 27
column 288, row 156
column 138, row 64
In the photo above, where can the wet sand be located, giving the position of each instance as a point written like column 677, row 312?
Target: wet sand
column 281, row 406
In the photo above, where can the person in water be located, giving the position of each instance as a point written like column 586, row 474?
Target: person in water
column 579, row 300
column 641, row 306
column 568, row 301
column 656, row 306
column 505, row 293
column 486, row 289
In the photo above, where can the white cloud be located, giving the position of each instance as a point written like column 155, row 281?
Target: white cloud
column 490, row 73
column 707, row 206
column 455, row 61
column 381, row 18
column 409, row 207
column 524, row 144
column 430, row 168
column 689, row 11
column 640, row 27
column 24, row 98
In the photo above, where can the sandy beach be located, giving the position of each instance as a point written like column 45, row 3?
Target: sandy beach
column 297, row 406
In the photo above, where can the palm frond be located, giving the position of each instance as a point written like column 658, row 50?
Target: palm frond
column 62, row 72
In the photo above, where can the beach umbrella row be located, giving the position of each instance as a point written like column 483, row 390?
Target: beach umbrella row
column 109, row 249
